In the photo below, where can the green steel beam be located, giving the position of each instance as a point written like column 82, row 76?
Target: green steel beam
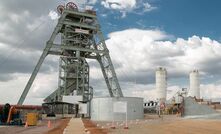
column 44, row 54
column 57, row 46
column 109, row 72
column 68, row 21
column 80, row 25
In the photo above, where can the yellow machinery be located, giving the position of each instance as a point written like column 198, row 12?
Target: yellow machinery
column 32, row 119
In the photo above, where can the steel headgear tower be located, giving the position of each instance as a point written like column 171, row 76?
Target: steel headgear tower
column 81, row 38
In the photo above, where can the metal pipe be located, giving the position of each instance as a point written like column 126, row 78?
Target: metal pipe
column 24, row 107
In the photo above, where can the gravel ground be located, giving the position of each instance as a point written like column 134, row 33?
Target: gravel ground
column 60, row 127
column 39, row 129
column 90, row 126
column 167, row 125
column 150, row 125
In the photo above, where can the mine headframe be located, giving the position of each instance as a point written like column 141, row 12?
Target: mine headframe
column 81, row 39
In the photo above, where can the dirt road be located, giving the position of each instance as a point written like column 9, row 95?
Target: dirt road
column 60, row 127
column 150, row 125
column 171, row 126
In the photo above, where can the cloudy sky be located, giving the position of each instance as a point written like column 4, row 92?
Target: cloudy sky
column 141, row 35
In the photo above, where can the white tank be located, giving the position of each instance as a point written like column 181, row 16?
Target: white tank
column 161, row 83
column 194, row 90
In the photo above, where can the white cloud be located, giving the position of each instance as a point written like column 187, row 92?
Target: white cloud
column 53, row 15
column 142, row 51
column 119, row 4
column 210, row 91
column 147, row 7
column 147, row 49
column 44, row 85
column 125, row 6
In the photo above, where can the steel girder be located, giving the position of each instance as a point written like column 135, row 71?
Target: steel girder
column 81, row 38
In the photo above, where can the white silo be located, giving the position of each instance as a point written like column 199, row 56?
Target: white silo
column 161, row 83
column 194, row 90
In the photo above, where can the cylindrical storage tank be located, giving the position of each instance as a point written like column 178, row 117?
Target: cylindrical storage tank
column 161, row 83
column 194, row 90
column 102, row 109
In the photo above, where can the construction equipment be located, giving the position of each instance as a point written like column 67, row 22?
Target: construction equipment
column 81, row 39
column 32, row 119
column 16, row 114
column 9, row 115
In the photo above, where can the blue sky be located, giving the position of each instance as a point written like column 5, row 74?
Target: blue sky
column 181, row 18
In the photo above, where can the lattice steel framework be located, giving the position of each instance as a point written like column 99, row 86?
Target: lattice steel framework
column 81, row 38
